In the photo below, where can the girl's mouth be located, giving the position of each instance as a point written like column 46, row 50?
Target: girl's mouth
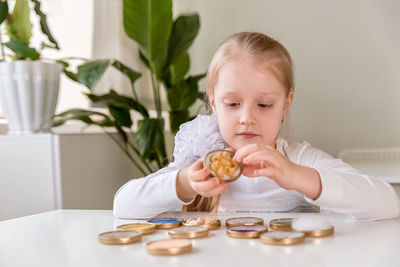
column 247, row 135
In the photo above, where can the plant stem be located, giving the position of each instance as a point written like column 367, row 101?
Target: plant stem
column 165, row 161
column 138, row 154
column 126, row 152
column 134, row 92
column 74, row 58
column 3, row 55
column 158, row 163
column 156, row 92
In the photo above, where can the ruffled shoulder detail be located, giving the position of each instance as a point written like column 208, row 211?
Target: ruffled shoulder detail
column 196, row 138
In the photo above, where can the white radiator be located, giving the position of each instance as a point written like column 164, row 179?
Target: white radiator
column 380, row 162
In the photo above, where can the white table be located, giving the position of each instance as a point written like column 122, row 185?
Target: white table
column 69, row 238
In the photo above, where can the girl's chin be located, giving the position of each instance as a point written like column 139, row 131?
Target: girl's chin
column 241, row 143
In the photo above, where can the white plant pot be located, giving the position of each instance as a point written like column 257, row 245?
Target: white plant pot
column 29, row 94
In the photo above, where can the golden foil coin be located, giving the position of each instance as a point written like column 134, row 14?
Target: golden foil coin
column 313, row 226
column 248, row 221
column 282, row 238
column 188, row 232
column 209, row 226
column 282, row 224
column 319, row 233
column 119, row 238
column 246, row 231
column 144, row 228
column 169, row 246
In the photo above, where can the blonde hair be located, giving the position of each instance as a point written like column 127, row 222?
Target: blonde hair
column 260, row 50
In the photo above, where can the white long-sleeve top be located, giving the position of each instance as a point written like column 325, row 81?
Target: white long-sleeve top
column 344, row 189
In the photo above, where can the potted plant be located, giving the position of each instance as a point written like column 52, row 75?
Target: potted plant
column 28, row 85
column 163, row 43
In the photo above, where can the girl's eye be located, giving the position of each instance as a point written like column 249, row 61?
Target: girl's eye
column 232, row 105
column 265, row 105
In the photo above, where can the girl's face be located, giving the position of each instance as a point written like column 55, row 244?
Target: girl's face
column 250, row 104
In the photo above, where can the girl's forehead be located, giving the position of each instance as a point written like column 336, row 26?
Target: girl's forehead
column 241, row 77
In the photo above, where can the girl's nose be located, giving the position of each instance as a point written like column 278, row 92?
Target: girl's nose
column 247, row 116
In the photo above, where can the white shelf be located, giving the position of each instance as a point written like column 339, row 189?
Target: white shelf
column 42, row 172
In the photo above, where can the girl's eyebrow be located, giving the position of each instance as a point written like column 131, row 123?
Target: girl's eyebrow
column 235, row 93
column 269, row 93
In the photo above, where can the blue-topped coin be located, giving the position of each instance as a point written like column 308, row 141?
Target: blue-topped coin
column 166, row 223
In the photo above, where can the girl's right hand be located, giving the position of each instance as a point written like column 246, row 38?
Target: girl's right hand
column 195, row 180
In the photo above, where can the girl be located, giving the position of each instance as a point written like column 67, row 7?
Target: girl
column 250, row 89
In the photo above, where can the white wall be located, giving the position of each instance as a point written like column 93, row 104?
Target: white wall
column 111, row 41
column 345, row 52
column 346, row 55
column 71, row 22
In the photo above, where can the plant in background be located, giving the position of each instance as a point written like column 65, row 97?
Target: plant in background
column 19, row 31
column 163, row 43
column 29, row 86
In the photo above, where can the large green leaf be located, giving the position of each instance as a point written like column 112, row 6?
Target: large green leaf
column 43, row 24
column 3, row 11
column 21, row 27
column 185, row 93
column 150, row 138
column 116, row 100
column 71, row 75
column 130, row 73
column 184, row 30
column 149, row 23
column 179, row 68
column 121, row 116
column 22, row 50
column 86, row 116
column 177, row 117
column 89, row 74
column 144, row 59
column 122, row 134
column 64, row 63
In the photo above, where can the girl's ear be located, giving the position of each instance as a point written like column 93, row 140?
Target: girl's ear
column 212, row 103
column 289, row 100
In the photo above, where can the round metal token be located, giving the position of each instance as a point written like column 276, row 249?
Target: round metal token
column 166, row 223
column 144, row 228
column 282, row 238
column 248, row 221
column 246, row 231
column 230, row 170
column 169, row 246
column 283, row 224
column 210, row 226
column 319, row 233
column 188, row 232
column 119, row 238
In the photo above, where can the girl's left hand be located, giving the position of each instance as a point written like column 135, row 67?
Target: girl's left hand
column 264, row 160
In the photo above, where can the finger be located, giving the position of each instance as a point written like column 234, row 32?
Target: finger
column 243, row 152
column 200, row 175
column 198, row 172
column 267, row 172
column 252, row 171
column 249, row 170
column 198, row 165
column 205, row 186
column 264, row 158
column 216, row 190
